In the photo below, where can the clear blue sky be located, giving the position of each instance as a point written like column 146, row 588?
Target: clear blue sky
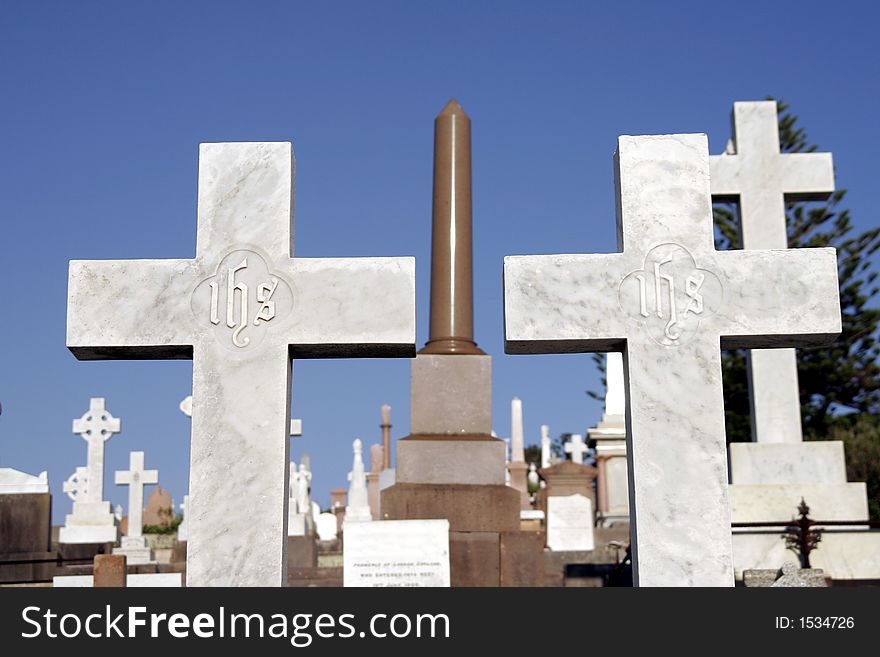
column 104, row 105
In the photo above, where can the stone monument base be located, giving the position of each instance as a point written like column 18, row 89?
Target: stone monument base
column 135, row 550
column 90, row 522
column 486, row 547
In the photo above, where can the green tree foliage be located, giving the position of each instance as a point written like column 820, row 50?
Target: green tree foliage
column 860, row 433
column 840, row 378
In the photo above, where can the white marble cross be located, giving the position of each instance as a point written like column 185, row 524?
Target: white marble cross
column 136, row 478
column 186, row 406
column 96, row 427
column 241, row 309
column 670, row 301
column 77, row 485
column 576, row 447
column 762, row 180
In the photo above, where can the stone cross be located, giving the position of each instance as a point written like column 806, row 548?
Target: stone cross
column 136, row 478
column 576, row 447
column 96, row 427
column 545, row 446
column 186, row 406
column 77, row 484
column 762, row 180
column 240, row 310
column 670, row 302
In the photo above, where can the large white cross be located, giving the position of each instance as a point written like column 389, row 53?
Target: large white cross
column 96, row 427
column 136, row 478
column 762, row 180
column 670, row 302
column 241, row 309
column 576, row 447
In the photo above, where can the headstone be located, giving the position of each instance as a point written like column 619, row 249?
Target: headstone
column 299, row 521
column 398, row 553
column 570, row 523
column 338, row 502
column 545, row 446
column 358, row 508
column 326, row 526
column 518, row 468
column 240, row 309
column 160, row 508
column 133, row 544
column 770, row 475
column 25, row 512
column 789, row 576
column 609, row 437
column 576, row 447
column 92, row 520
column 670, row 300
column 762, row 180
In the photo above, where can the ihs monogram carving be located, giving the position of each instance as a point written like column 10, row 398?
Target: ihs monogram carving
column 242, row 300
column 670, row 295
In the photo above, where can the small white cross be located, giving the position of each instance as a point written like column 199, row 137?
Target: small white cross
column 576, row 447
column 136, row 478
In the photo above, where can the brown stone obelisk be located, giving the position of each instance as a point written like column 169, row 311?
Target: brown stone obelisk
column 450, row 466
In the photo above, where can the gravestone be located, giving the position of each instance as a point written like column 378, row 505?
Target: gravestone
column 609, row 437
column 25, row 512
column 92, row 520
column 576, row 447
column 770, row 475
column 133, row 544
column 160, row 508
column 754, row 173
column 326, row 526
column 669, row 300
column 518, row 468
column 569, row 523
column 358, row 507
column 545, row 446
column 396, row 553
column 241, row 309
column 300, row 521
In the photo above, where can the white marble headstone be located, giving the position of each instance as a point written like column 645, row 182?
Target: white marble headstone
column 670, row 302
column 762, row 180
column 570, row 523
column 241, row 309
column 396, row 553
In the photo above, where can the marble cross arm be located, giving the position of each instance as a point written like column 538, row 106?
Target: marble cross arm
column 800, row 176
column 129, row 309
column 352, row 307
column 539, row 315
column 779, row 298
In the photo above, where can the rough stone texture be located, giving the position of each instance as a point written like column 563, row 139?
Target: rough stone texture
column 474, row 559
column 812, row 462
column 788, row 576
column 522, row 558
column 450, row 394
column 468, row 508
column 132, row 581
column 315, row 577
column 754, row 173
column 779, row 502
column 240, row 309
column 669, row 300
column 109, row 571
column 301, row 552
column 25, row 522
